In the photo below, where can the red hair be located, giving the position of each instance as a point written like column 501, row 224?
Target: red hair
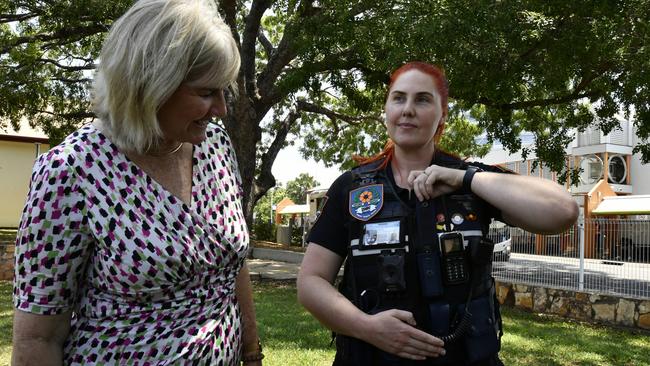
column 442, row 87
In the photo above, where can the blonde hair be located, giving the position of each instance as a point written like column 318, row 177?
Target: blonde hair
column 149, row 51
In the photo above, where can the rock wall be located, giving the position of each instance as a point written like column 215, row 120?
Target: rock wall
column 592, row 308
column 7, row 261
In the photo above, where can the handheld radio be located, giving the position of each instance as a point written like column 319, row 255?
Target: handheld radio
column 454, row 262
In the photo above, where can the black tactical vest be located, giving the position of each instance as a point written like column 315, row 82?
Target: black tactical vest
column 432, row 260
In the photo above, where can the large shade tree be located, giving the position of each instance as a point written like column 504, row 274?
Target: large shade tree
column 321, row 67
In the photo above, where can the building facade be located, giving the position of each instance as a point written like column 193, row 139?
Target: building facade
column 18, row 151
column 601, row 156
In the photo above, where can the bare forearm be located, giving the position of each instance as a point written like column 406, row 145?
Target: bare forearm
column 38, row 339
column 34, row 352
column 534, row 204
column 330, row 307
column 244, row 292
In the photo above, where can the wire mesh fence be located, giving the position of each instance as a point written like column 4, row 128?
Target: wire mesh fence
column 604, row 256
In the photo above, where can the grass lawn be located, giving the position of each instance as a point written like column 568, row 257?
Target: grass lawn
column 292, row 337
column 6, row 320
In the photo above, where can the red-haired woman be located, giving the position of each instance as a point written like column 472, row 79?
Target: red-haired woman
column 428, row 297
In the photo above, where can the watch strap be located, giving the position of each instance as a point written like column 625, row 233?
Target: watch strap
column 469, row 176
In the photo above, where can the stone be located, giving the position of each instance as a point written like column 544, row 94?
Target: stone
column 604, row 312
column 582, row 311
column 6, row 275
column 503, row 290
column 625, row 312
column 644, row 321
column 521, row 288
column 582, row 297
column 560, row 306
column 539, row 299
column 644, row 307
column 524, row 300
column 593, row 298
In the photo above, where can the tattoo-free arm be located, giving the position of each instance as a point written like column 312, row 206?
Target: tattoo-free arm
column 38, row 339
column 244, row 293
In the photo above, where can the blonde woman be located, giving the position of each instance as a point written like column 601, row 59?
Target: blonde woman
column 132, row 243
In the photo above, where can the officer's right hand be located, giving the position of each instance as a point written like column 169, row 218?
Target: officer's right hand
column 394, row 331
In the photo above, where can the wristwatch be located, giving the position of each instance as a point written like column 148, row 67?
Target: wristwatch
column 469, row 175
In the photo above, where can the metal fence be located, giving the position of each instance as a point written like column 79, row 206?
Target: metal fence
column 602, row 256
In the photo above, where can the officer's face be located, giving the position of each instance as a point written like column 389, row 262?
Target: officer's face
column 413, row 110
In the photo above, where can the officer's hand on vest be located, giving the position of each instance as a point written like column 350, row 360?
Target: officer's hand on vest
column 435, row 181
column 394, row 331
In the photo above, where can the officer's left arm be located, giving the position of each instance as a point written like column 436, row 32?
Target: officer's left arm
column 531, row 203
column 534, row 204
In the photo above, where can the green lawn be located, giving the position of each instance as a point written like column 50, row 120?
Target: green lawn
column 6, row 320
column 292, row 337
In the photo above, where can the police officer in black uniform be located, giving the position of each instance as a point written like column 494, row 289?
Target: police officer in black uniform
column 411, row 225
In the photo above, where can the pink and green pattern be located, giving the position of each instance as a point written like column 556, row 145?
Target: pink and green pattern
column 150, row 280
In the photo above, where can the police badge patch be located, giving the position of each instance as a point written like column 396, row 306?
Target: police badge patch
column 366, row 201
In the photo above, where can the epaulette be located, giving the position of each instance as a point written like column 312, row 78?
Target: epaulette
column 366, row 173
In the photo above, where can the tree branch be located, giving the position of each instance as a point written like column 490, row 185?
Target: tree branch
column 71, row 81
column 8, row 18
column 251, row 30
column 62, row 35
column 71, row 115
column 229, row 12
column 538, row 102
column 268, row 46
column 334, row 61
column 66, row 68
column 285, row 51
column 600, row 70
column 335, row 117
column 266, row 180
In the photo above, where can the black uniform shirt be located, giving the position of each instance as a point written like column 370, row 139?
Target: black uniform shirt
column 330, row 231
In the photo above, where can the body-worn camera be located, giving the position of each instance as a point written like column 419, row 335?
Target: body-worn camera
column 391, row 270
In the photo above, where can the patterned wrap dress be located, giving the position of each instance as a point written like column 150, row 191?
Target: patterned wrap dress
column 150, row 280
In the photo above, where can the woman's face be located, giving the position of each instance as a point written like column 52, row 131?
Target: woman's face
column 413, row 110
column 184, row 117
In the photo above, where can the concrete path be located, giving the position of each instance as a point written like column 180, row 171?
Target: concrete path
column 275, row 264
column 267, row 269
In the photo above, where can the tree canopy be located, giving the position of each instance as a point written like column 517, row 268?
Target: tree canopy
column 546, row 67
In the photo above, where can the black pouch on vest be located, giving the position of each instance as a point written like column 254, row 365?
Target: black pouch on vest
column 429, row 272
column 480, row 250
column 481, row 339
column 439, row 315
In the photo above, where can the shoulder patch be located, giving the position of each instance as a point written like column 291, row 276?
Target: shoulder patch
column 366, row 201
